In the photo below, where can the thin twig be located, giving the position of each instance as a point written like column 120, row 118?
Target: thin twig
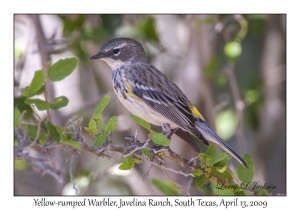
column 165, row 168
column 46, row 82
column 193, row 159
column 21, row 119
column 178, row 185
column 71, row 174
column 238, row 104
column 189, row 184
column 38, row 131
column 41, row 167
column 138, row 148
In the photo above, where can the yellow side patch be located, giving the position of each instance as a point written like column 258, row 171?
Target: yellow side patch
column 196, row 112
column 130, row 93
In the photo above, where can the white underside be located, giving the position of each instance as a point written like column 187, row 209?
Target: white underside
column 145, row 112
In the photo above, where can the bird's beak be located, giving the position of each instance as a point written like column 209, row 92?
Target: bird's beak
column 97, row 56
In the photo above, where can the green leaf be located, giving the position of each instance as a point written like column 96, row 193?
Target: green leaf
column 73, row 23
column 167, row 187
column 244, row 174
column 226, row 123
column 127, row 163
column 141, row 122
column 137, row 160
column 225, row 176
column 59, row 102
column 17, row 116
column 211, row 66
column 201, row 180
column 70, row 143
column 100, row 140
column 26, row 92
column 221, row 169
column 62, row 68
column 19, row 103
column 101, row 106
column 233, row 50
column 88, row 130
column 220, row 159
column 60, row 130
column 221, row 79
column 55, row 136
column 202, row 156
column 40, row 104
column 159, row 138
column 20, row 164
column 252, row 96
column 148, row 29
column 223, row 191
column 42, row 141
column 212, row 150
column 111, row 22
column 41, row 90
column 239, row 193
column 94, row 34
column 111, row 125
column 262, row 192
column 93, row 124
column 197, row 172
column 146, row 152
column 35, row 85
column 32, row 132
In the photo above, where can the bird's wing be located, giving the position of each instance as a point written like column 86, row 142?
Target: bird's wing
column 166, row 98
column 173, row 109
column 188, row 139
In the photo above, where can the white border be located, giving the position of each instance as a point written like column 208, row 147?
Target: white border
column 153, row 6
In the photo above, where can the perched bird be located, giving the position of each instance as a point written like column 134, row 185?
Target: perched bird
column 147, row 93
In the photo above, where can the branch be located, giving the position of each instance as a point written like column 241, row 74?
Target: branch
column 178, row 185
column 40, row 166
column 238, row 104
column 111, row 150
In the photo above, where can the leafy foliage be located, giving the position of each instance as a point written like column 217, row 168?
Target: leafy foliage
column 40, row 104
column 146, row 152
column 141, row 122
column 101, row 106
column 35, row 85
column 111, row 125
column 95, row 124
column 71, row 143
column 167, row 187
column 159, row 138
column 100, row 140
column 53, row 131
column 59, row 102
column 246, row 175
column 17, row 116
column 32, row 132
column 62, row 68
column 127, row 163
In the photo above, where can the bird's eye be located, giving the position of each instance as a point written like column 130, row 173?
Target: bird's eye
column 116, row 51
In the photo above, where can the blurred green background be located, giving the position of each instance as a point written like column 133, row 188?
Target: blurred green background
column 231, row 67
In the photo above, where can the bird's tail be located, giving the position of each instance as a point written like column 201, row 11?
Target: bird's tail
column 210, row 135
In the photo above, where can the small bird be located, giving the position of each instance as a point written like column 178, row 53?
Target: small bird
column 147, row 93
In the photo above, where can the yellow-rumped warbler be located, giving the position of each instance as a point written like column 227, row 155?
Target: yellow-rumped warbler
column 149, row 94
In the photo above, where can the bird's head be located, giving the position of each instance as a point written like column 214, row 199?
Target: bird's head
column 120, row 51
